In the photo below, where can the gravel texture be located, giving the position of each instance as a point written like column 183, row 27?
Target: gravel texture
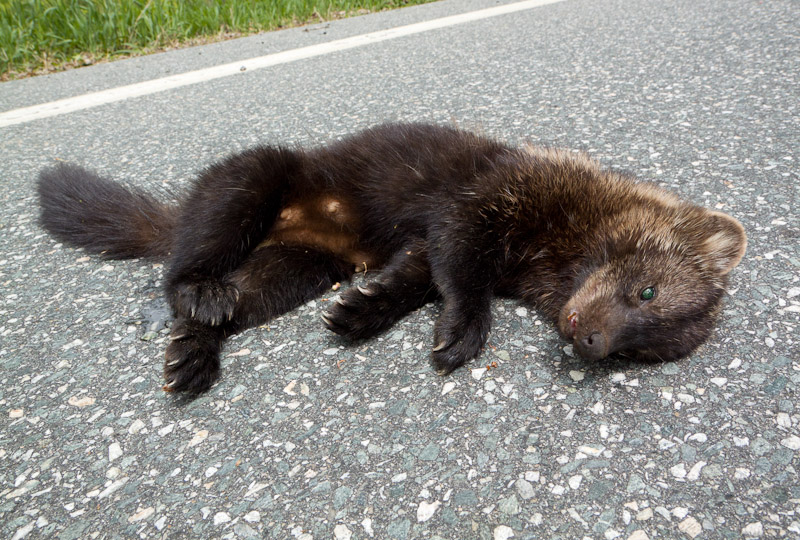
column 309, row 437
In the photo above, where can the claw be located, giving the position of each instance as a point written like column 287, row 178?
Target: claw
column 168, row 387
column 325, row 319
column 366, row 291
column 339, row 300
column 441, row 345
column 178, row 337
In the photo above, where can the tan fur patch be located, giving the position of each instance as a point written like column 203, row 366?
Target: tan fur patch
column 660, row 196
column 335, row 210
column 332, row 206
column 568, row 158
column 728, row 244
column 291, row 214
column 323, row 223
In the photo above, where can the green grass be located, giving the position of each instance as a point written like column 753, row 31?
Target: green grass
column 38, row 36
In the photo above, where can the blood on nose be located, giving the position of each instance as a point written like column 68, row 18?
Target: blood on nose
column 573, row 320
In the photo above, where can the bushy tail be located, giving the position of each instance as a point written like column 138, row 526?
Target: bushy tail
column 85, row 210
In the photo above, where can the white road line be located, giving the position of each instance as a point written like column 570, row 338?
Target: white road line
column 94, row 99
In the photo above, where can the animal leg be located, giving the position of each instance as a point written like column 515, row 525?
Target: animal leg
column 228, row 212
column 403, row 285
column 273, row 280
column 465, row 273
column 461, row 331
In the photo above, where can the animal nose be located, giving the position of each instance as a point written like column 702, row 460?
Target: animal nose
column 593, row 346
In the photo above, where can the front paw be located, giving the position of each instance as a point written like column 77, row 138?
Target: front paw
column 458, row 342
column 361, row 312
column 191, row 361
column 205, row 300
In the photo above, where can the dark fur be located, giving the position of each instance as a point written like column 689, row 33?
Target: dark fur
column 445, row 213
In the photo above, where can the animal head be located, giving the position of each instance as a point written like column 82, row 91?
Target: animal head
column 653, row 287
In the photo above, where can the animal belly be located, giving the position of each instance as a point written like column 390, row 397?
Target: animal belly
column 325, row 224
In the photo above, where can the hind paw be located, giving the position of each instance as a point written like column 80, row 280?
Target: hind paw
column 207, row 301
column 362, row 312
column 191, row 361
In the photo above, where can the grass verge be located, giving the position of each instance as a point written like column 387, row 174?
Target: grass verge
column 40, row 36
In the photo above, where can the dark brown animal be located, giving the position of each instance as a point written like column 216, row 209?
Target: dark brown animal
column 620, row 266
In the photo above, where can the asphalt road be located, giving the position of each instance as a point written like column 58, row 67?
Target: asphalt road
column 307, row 436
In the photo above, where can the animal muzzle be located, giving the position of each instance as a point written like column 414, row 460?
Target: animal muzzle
column 588, row 341
column 591, row 347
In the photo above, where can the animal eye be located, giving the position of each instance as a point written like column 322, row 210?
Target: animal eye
column 648, row 294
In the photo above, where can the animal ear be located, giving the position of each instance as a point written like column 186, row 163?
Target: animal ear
column 724, row 241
